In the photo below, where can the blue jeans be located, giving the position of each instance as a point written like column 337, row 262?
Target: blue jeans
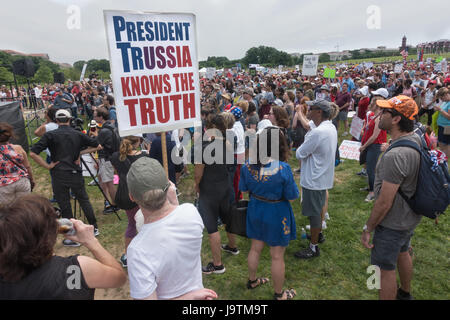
column 373, row 153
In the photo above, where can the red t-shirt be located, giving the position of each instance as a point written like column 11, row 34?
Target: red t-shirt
column 368, row 131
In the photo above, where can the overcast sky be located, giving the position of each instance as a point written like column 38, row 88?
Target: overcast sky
column 228, row 27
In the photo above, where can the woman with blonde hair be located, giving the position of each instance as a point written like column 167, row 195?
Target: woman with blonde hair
column 128, row 153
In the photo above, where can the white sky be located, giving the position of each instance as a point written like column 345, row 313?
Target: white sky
column 227, row 27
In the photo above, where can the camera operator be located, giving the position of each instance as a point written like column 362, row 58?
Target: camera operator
column 62, row 100
column 65, row 144
column 108, row 144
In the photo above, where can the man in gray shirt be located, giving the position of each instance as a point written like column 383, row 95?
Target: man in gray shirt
column 391, row 218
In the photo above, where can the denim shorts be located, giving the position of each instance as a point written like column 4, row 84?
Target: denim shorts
column 387, row 245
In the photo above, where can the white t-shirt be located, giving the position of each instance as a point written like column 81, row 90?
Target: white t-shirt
column 317, row 154
column 239, row 131
column 38, row 92
column 50, row 127
column 165, row 255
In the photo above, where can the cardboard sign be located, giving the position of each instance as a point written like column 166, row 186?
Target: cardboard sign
column 329, row 73
column 154, row 69
column 349, row 149
column 310, row 64
column 356, row 127
column 398, row 68
column 210, row 72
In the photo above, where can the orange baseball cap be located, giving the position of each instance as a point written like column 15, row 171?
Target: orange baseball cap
column 403, row 104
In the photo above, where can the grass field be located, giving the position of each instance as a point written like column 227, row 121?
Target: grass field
column 338, row 274
column 385, row 59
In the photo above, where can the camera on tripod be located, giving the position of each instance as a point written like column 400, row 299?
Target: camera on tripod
column 77, row 124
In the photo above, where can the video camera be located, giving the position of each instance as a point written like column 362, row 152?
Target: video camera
column 77, row 124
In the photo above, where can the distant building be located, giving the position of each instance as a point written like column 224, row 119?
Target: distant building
column 17, row 53
column 336, row 56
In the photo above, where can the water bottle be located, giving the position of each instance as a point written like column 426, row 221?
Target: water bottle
column 303, row 235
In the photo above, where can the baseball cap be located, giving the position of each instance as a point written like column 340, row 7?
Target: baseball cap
column 263, row 124
column 381, row 92
column 146, row 174
column 324, row 87
column 403, row 104
column 324, row 105
column 237, row 112
column 62, row 113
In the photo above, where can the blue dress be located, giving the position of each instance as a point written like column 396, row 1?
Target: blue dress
column 273, row 223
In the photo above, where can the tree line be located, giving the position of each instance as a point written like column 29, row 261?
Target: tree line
column 46, row 70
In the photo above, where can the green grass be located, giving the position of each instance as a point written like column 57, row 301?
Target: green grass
column 339, row 273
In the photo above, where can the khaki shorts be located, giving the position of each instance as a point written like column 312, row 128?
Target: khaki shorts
column 105, row 171
column 15, row 190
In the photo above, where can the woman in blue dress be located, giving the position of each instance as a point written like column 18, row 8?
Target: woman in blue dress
column 270, row 218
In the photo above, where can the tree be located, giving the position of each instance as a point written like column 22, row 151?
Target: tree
column 72, row 74
column 44, row 75
column 79, row 65
column 6, row 75
column 324, row 57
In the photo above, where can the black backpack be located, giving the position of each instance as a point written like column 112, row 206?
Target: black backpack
column 116, row 139
column 432, row 195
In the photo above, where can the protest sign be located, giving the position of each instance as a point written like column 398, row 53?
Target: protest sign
column 297, row 67
column 310, row 63
column 356, row 127
column 83, row 72
column 428, row 60
column 439, row 59
column 368, row 65
column 349, row 149
column 398, row 68
column 329, row 73
column 154, row 68
column 210, row 72
column 438, row 67
column 444, row 66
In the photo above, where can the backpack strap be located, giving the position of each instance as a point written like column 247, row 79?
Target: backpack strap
column 409, row 144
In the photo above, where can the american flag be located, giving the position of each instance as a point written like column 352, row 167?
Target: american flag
column 404, row 54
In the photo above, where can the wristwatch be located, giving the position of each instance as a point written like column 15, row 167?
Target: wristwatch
column 365, row 229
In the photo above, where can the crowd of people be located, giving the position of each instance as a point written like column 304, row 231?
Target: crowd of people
column 303, row 114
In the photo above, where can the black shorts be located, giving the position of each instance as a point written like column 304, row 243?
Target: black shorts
column 211, row 207
column 387, row 244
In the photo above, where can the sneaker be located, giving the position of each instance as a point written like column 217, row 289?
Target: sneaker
column 92, row 183
column 108, row 210
column 321, row 237
column 123, row 261
column 369, row 198
column 362, row 173
column 327, row 216
column 402, row 295
column 324, row 225
column 307, row 253
column 233, row 251
column 211, row 268
column 70, row 243
column 96, row 232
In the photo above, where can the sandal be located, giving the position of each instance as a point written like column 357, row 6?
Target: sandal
column 289, row 294
column 257, row 281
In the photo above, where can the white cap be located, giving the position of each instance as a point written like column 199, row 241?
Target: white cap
column 381, row 92
column 63, row 113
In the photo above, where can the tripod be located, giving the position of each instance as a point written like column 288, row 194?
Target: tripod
column 35, row 117
column 98, row 185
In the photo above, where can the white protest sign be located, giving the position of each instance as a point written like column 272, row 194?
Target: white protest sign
column 356, row 127
column 210, row 72
column 438, row 67
column 349, row 149
column 154, row 69
column 83, row 72
column 297, row 67
column 310, row 64
column 428, row 60
column 444, row 66
column 398, row 68
column 368, row 65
